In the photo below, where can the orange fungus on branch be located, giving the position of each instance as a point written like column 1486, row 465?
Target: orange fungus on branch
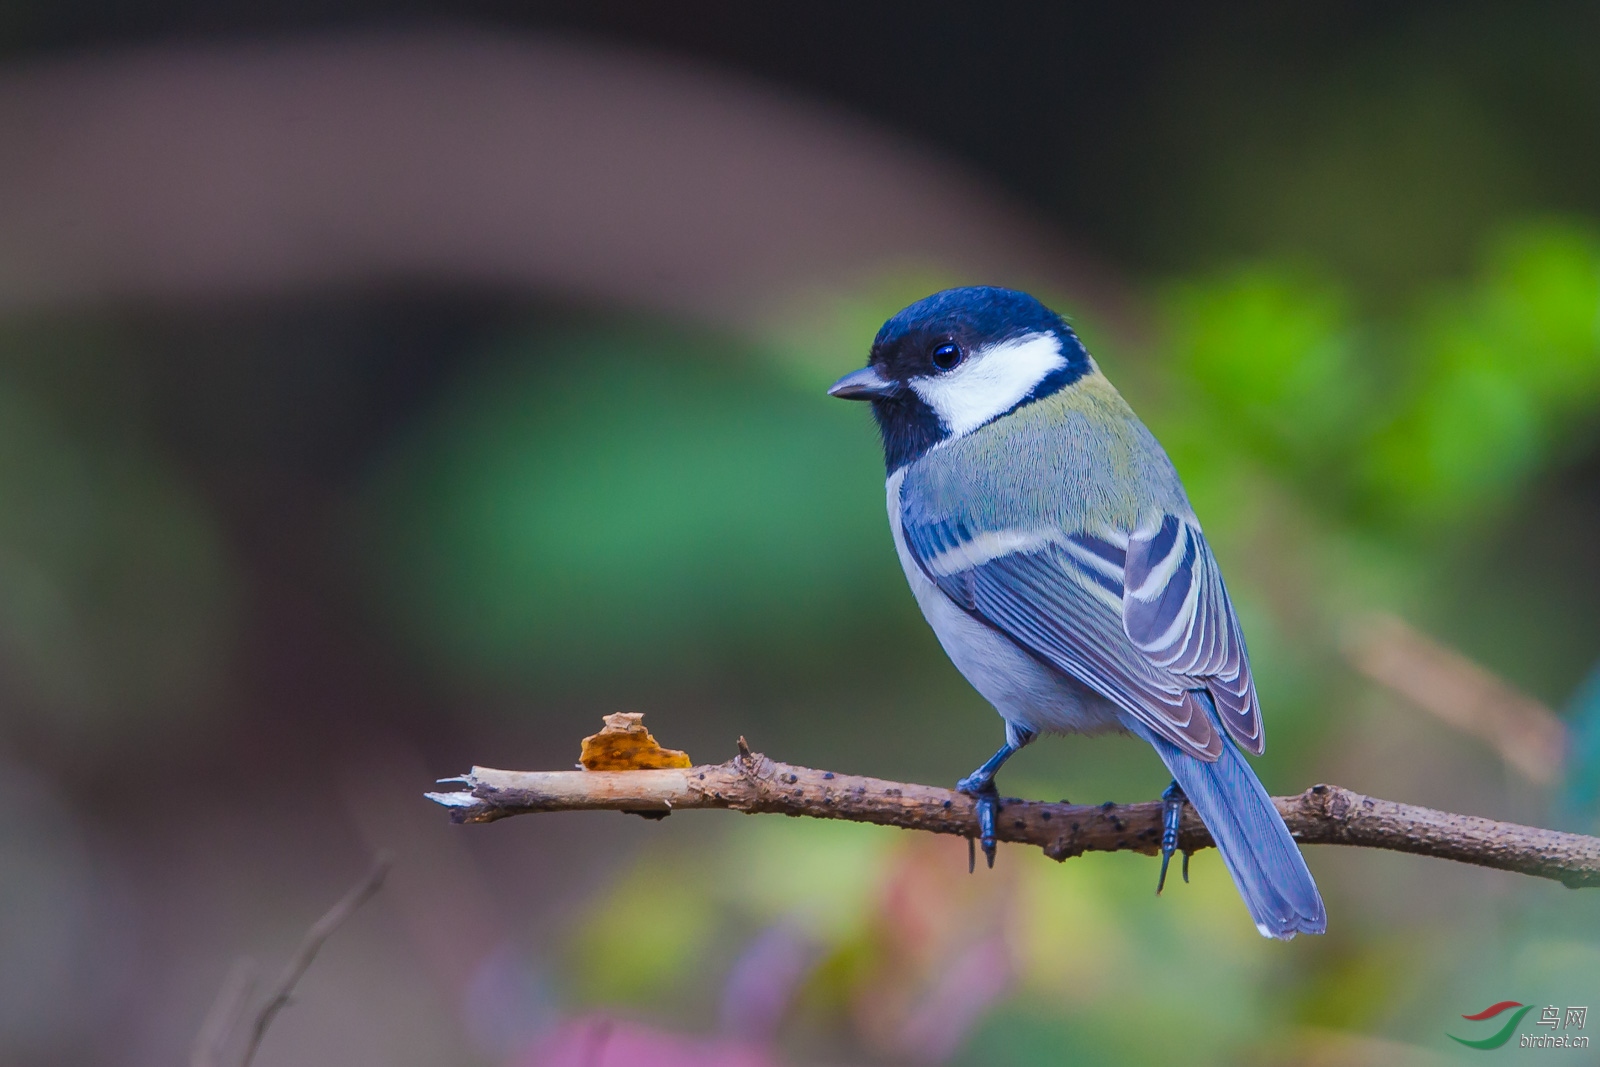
column 625, row 745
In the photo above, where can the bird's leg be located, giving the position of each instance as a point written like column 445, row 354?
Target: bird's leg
column 1172, row 802
column 980, row 785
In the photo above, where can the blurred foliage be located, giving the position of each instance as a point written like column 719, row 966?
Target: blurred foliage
column 618, row 504
column 893, row 918
column 1384, row 172
column 1404, row 425
column 115, row 588
column 648, row 928
column 1503, row 371
column 1271, row 358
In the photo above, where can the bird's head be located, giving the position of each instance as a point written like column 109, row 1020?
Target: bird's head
column 957, row 360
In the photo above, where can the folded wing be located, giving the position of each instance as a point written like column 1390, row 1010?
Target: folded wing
column 1144, row 621
column 1176, row 611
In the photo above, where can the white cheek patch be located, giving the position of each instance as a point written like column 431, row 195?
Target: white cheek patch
column 991, row 381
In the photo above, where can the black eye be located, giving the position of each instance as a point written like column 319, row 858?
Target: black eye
column 947, row 356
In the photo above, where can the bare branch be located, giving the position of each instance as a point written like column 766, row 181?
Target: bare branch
column 226, row 1011
column 1529, row 737
column 320, row 931
column 751, row 783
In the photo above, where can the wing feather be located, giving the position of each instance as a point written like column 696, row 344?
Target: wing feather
column 1145, row 624
column 1176, row 611
column 1066, row 611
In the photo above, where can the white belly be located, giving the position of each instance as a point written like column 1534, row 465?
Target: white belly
column 1024, row 691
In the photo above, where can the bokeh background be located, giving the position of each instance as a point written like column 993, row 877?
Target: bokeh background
column 387, row 387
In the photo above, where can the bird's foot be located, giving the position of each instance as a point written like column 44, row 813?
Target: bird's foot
column 1172, row 802
column 982, row 790
column 980, row 786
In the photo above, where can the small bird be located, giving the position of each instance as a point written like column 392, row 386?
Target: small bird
column 1049, row 542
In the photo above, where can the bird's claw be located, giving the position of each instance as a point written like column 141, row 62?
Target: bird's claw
column 980, row 786
column 1172, row 802
column 988, row 802
column 988, row 815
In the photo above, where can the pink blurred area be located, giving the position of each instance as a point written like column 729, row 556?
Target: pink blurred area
column 599, row 1041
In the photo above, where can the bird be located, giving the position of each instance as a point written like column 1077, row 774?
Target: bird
column 1049, row 542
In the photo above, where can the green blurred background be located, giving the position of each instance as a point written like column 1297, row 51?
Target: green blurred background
column 381, row 395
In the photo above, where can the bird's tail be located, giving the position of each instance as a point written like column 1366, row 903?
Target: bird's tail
column 1263, row 859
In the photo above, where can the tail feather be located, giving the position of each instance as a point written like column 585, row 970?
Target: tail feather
column 1256, row 847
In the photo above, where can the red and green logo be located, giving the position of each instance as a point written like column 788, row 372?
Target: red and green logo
column 1501, row 1036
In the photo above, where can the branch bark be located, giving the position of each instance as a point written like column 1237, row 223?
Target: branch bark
column 752, row 783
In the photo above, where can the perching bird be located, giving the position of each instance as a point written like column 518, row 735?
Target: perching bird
column 1051, row 547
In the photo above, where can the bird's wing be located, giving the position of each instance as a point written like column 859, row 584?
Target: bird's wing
column 1145, row 625
column 1060, row 599
column 1176, row 611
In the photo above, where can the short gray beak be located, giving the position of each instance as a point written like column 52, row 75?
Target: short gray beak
column 864, row 384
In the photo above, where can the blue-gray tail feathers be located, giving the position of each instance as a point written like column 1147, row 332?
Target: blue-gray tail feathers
column 1263, row 859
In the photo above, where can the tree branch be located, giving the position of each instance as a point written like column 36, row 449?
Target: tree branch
column 751, row 783
column 228, row 1009
column 211, row 1044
